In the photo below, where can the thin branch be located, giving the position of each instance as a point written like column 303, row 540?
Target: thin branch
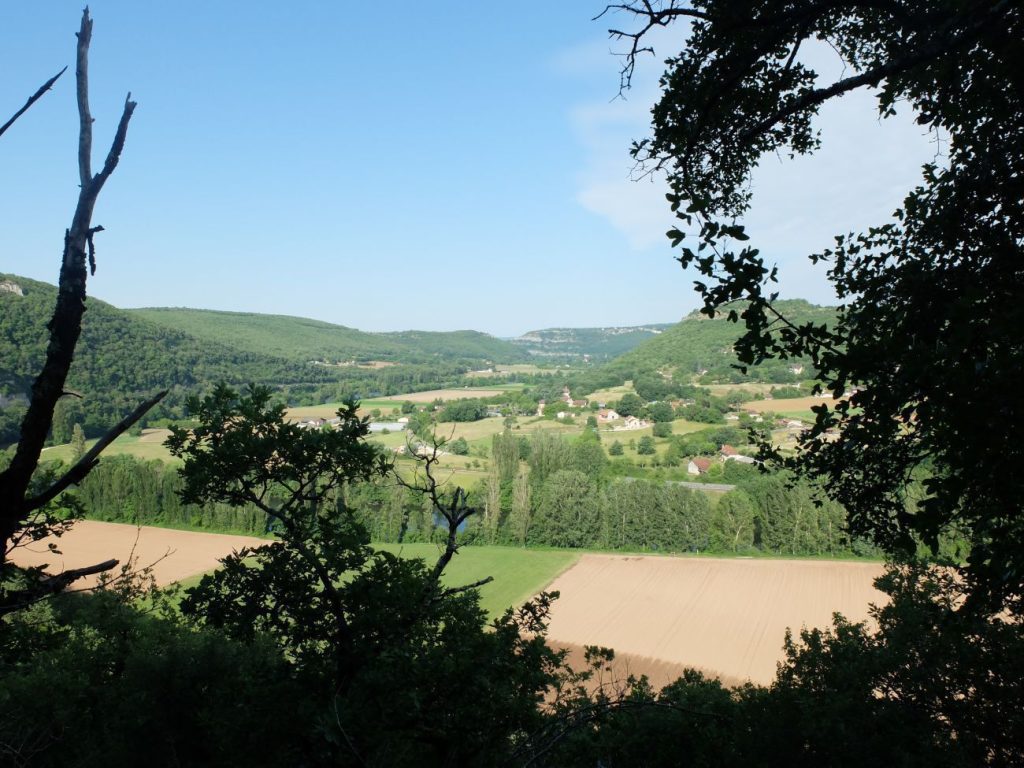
column 463, row 588
column 655, row 18
column 61, row 580
column 85, row 465
column 32, row 100
column 114, row 155
column 559, row 728
column 455, row 513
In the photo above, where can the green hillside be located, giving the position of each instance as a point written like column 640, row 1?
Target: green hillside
column 302, row 339
column 121, row 359
column 698, row 344
column 467, row 345
column 595, row 343
column 292, row 337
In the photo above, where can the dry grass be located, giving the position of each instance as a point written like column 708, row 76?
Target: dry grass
column 788, row 405
column 611, row 394
column 721, row 390
column 447, row 394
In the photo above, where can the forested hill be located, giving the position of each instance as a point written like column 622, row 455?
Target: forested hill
column 595, row 343
column 698, row 344
column 301, row 339
column 121, row 358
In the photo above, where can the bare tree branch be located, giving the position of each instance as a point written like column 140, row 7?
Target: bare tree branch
column 85, row 465
column 32, row 100
column 454, row 511
column 65, row 324
column 82, row 90
column 51, row 585
column 464, row 588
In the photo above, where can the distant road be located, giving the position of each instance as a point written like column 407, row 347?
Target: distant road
column 702, row 486
column 695, row 486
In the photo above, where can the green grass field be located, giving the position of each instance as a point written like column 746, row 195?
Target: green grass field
column 330, row 410
column 149, row 445
column 611, row 394
column 518, row 573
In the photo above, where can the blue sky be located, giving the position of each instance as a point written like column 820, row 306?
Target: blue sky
column 433, row 166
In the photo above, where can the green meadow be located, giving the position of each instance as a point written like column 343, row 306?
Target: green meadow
column 149, row 445
column 518, row 573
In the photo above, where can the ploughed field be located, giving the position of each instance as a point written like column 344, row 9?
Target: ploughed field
column 173, row 555
column 726, row 617
column 177, row 555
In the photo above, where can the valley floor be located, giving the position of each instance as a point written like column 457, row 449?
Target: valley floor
column 725, row 616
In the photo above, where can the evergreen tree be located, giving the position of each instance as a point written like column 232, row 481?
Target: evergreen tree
column 77, row 443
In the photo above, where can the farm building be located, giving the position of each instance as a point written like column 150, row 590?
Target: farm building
column 698, row 466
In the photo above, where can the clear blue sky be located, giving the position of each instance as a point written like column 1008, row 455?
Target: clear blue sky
column 410, row 165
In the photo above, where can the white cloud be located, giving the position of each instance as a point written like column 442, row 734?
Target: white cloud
column 858, row 177
column 608, row 183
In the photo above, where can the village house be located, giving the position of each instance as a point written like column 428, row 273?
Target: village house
column 573, row 403
column 731, row 454
column 632, row 422
column 698, row 466
column 607, row 414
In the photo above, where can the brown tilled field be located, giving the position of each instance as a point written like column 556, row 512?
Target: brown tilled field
column 613, row 676
column 723, row 616
column 174, row 555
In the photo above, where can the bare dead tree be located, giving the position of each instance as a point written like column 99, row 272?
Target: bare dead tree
column 451, row 507
column 18, row 502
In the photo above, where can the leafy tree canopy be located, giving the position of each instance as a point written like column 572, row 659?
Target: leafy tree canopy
column 932, row 397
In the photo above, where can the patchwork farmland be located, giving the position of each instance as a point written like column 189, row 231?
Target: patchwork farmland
column 726, row 617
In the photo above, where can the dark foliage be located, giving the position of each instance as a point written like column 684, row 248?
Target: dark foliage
column 929, row 327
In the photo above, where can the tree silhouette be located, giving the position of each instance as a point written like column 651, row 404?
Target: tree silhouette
column 27, row 511
column 928, row 332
